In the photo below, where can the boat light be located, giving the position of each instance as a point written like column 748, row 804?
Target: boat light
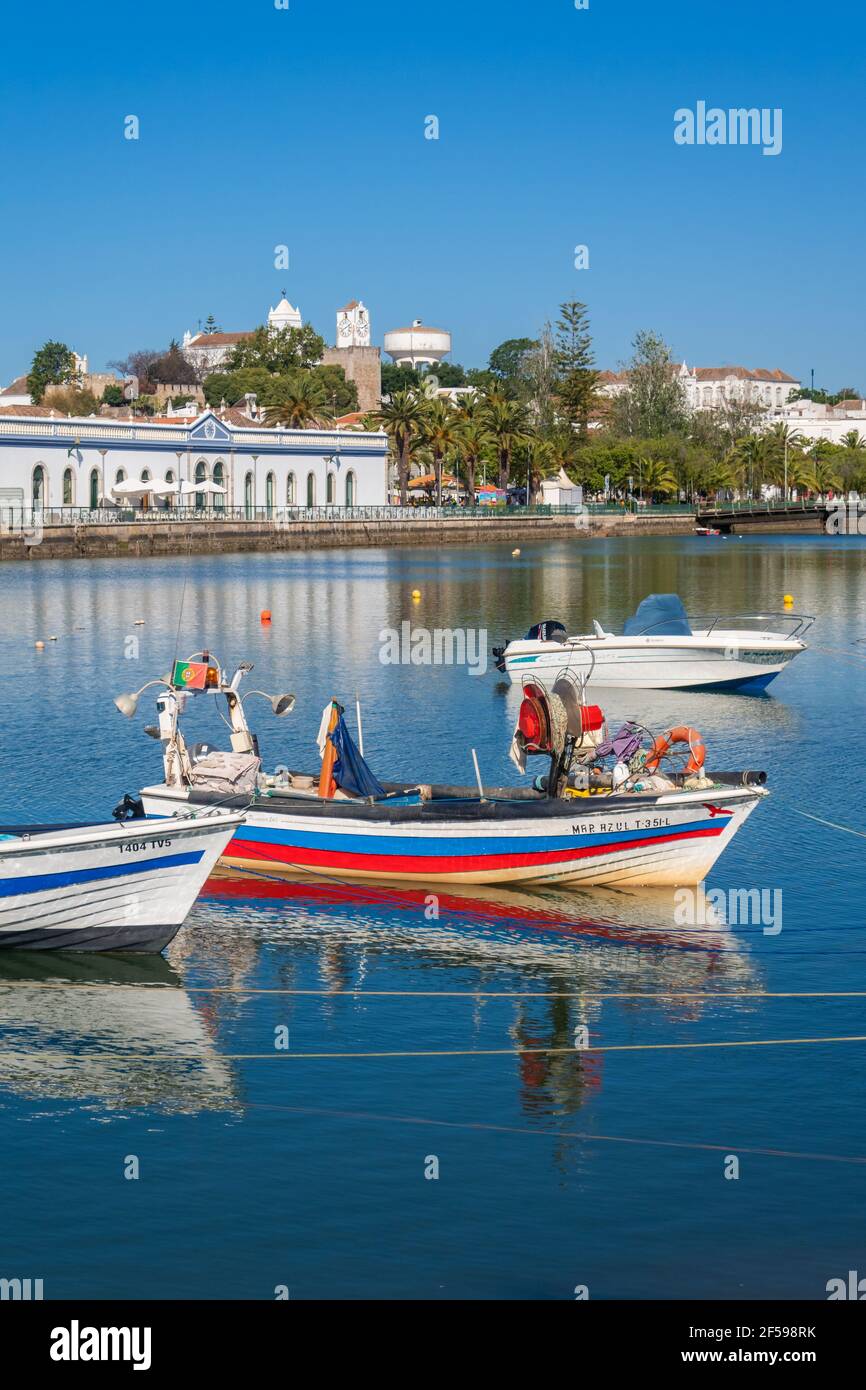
column 128, row 703
column 280, row 704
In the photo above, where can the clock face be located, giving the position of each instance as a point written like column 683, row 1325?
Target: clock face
column 345, row 329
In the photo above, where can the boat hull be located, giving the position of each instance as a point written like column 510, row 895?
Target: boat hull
column 117, row 887
column 727, row 661
column 667, row 841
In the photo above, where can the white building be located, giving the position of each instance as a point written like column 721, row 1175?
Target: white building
column 207, row 352
column 50, row 462
column 710, row 388
column 418, row 346
column 814, row 420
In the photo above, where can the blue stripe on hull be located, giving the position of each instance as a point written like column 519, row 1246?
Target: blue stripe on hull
column 453, row 845
column 41, row 883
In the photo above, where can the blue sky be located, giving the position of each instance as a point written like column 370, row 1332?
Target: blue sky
column 305, row 127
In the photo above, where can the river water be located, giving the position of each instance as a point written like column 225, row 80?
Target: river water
column 439, row 1173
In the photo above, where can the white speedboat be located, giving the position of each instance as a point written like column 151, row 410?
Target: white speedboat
column 660, row 648
column 125, row 886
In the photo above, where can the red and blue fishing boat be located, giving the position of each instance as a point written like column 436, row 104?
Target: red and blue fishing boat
column 607, row 810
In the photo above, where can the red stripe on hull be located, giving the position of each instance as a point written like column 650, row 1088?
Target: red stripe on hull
column 445, row 864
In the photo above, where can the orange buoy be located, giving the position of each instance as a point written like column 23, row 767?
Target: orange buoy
column 683, row 733
column 265, row 615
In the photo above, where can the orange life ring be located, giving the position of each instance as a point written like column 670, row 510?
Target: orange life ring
column 683, row 733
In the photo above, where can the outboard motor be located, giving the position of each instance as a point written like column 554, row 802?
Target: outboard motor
column 549, row 631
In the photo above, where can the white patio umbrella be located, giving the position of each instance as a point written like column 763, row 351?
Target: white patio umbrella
column 130, row 489
column 182, row 489
column 208, row 487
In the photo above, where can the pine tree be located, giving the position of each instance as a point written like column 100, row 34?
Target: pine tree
column 575, row 363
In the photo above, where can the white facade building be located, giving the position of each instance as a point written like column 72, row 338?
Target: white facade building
column 710, row 388
column 46, row 463
column 207, row 352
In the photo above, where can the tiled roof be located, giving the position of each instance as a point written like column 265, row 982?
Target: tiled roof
column 203, row 340
column 352, row 304
column 30, row 410
column 18, row 387
column 743, row 374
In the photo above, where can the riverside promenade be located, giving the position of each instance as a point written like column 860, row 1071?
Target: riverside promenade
column 75, row 534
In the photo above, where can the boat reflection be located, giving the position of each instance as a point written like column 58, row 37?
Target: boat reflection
column 120, row 1030
column 549, row 954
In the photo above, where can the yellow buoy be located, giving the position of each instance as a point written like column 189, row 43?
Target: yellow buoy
column 416, row 593
column 40, row 646
column 515, row 552
column 789, row 599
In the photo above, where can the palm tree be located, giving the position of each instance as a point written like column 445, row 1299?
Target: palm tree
column 299, row 402
column 402, row 418
column 472, row 440
column 784, row 444
column 853, row 440
column 822, row 476
column 440, row 432
column 755, row 454
column 508, row 426
column 657, row 478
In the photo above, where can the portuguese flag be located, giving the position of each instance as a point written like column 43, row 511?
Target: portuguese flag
column 189, row 675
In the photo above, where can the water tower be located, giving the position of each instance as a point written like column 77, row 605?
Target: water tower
column 418, row 346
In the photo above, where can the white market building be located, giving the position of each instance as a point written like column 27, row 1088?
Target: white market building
column 51, row 462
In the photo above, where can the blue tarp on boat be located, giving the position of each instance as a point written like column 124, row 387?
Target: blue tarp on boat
column 660, row 615
column 351, row 773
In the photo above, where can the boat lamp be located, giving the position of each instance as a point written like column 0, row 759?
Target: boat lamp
column 280, row 704
column 128, row 703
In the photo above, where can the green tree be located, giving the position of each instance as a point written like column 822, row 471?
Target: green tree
column 298, row 401
column 403, row 378
column 53, row 365
column 113, row 395
column 280, row 352
column 654, row 401
column 578, row 379
column 440, row 433
column 507, row 425
column 402, row 419
column 508, row 364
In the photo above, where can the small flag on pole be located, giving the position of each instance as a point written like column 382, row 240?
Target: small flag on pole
column 73, row 449
column 189, row 675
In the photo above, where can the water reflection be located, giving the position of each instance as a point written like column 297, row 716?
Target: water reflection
column 510, row 943
column 119, row 1030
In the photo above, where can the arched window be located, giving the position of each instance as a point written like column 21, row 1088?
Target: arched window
column 311, row 489
column 94, row 489
column 290, row 490
column 249, row 502
column 119, row 477
column 68, row 493
column 169, row 477
column 201, row 477
column 350, row 488
column 38, row 488
column 219, row 477
column 270, row 485
column 145, row 475
column 331, row 489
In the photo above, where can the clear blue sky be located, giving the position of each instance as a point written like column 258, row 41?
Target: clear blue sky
column 305, row 126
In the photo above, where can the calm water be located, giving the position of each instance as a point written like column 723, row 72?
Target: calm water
column 555, row 1170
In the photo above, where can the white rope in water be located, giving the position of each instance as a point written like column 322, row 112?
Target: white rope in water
column 832, row 824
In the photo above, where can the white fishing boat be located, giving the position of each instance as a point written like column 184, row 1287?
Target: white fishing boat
column 583, row 823
column 125, row 886
column 661, row 648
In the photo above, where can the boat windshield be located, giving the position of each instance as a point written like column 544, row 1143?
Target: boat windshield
column 661, row 615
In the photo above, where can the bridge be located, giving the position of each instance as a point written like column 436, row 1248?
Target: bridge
column 764, row 516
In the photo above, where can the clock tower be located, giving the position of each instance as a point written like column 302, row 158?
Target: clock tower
column 353, row 325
